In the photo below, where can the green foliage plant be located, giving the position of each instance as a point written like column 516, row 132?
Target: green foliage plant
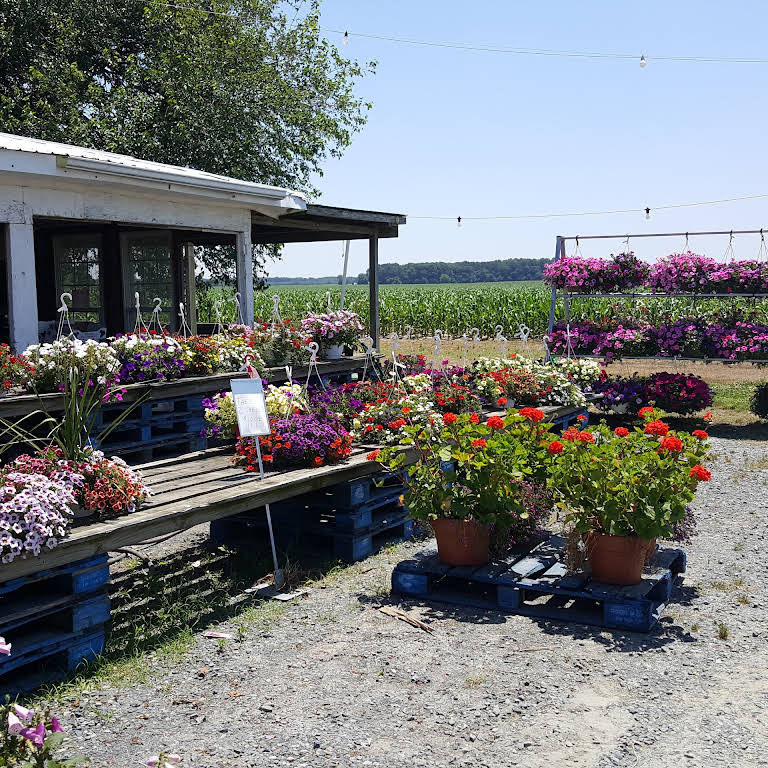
column 469, row 469
column 627, row 482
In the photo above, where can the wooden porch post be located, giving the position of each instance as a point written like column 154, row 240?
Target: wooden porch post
column 245, row 274
column 373, row 288
column 22, row 285
column 189, row 291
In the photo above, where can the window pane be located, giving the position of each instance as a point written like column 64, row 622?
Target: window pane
column 149, row 272
column 78, row 265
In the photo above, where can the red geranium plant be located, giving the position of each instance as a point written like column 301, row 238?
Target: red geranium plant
column 628, row 483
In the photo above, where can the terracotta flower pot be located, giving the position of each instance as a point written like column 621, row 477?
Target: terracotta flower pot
column 616, row 559
column 461, row 542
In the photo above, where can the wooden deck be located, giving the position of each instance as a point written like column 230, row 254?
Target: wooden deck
column 197, row 488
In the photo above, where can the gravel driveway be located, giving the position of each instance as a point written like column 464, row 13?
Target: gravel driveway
column 334, row 682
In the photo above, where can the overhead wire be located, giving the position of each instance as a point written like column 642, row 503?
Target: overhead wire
column 482, row 48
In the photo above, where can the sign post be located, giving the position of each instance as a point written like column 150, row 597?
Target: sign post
column 253, row 421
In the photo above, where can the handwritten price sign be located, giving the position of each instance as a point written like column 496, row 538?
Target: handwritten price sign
column 250, row 406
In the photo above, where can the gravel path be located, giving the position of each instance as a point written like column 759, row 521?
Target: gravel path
column 336, row 683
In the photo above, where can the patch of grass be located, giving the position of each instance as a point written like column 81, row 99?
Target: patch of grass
column 743, row 599
column 474, row 682
column 728, row 586
column 733, row 396
column 758, row 464
column 738, row 547
column 723, row 633
column 695, row 627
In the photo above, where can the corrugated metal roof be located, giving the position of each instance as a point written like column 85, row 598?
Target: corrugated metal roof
column 146, row 168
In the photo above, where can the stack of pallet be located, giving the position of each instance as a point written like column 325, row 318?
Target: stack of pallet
column 349, row 521
column 153, row 429
column 54, row 621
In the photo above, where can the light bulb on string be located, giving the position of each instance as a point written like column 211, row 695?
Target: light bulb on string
column 345, row 39
column 647, row 214
column 643, row 61
column 458, row 222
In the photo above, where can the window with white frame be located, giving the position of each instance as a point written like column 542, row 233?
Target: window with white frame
column 148, row 271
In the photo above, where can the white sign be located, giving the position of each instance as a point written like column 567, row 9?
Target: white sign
column 251, row 407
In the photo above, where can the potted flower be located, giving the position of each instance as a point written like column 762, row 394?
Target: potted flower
column 333, row 331
column 622, row 489
column 471, row 477
column 15, row 370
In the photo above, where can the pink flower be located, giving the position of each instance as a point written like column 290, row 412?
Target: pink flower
column 24, row 713
column 35, row 735
column 14, row 724
column 5, row 648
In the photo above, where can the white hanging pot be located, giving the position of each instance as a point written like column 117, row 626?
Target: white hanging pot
column 334, row 351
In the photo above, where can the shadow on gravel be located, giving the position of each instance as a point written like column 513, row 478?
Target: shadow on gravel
column 665, row 633
column 433, row 611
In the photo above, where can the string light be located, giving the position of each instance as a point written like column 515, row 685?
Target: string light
column 458, row 222
column 647, row 214
column 489, row 48
column 558, row 215
column 345, row 39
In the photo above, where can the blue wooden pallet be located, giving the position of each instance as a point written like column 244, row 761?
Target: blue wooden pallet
column 388, row 522
column 359, row 491
column 562, row 423
column 54, row 656
column 54, row 619
column 353, row 547
column 538, row 584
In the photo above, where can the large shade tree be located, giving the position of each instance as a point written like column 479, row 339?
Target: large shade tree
column 246, row 88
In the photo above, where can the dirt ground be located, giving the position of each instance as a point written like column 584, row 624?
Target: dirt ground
column 331, row 682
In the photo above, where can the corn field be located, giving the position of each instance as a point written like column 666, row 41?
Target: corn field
column 455, row 309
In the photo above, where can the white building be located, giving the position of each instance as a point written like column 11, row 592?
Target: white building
column 103, row 227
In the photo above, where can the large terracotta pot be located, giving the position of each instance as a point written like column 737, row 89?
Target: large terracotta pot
column 616, row 559
column 461, row 542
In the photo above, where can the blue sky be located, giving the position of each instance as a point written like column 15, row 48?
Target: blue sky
column 455, row 132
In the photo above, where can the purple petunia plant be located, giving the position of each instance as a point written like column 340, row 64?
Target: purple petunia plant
column 148, row 358
column 35, row 511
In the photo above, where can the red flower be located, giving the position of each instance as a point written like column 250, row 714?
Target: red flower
column 700, row 433
column 645, row 410
column 479, row 443
column 658, row 428
column 570, row 434
column 585, row 437
column 700, row 473
column 474, row 418
column 317, row 461
column 495, row 422
column 501, row 401
column 672, row 443
column 373, row 455
column 449, row 418
column 555, row 447
column 581, row 417
column 707, row 415
column 621, row 432
column 405, row 410
column 534, row 414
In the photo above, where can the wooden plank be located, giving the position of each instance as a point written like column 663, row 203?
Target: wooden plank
column 158, row 519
